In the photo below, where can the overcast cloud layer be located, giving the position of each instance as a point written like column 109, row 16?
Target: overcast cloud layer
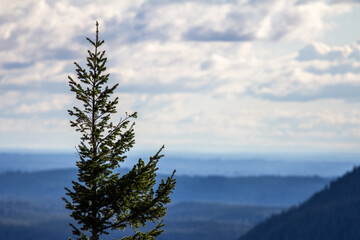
column 204, row 75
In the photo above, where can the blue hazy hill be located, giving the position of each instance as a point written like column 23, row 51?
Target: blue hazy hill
column 259, row 190
column 203, row 207
column 215, row 197
column 328, row 165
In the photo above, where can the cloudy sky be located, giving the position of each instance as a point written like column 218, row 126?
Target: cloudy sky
column 204, row 75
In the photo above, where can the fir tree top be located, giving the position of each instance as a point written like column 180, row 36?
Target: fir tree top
column 102, row 199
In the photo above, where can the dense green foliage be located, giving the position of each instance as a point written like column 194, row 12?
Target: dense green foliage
column 331, row 214
column 103, row 200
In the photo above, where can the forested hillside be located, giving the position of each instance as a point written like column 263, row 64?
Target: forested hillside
column 331, row 214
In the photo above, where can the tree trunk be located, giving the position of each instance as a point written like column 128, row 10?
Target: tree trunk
column 94, row 236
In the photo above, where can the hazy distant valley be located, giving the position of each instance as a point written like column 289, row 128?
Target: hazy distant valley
column 204, row 206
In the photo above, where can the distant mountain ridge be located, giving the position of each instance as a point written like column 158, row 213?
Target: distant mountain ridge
column 258, row 190
column 331, row 214
column 197, row 165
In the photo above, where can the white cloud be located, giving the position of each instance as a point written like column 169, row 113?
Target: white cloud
column 204, row 123
column 52, row 103
column 247, row 21
column 320, row 51
column 191, row 68
column 47, row 34
column 31, row 103
column 40, row 72
column 9, row 99
column 34, row 125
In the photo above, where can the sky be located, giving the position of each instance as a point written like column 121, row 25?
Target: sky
column 204, row 75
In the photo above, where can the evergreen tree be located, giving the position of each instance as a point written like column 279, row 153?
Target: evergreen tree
column 102, row 199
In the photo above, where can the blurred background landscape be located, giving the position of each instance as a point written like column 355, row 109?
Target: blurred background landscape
column 207, row 203
column 257, row 103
